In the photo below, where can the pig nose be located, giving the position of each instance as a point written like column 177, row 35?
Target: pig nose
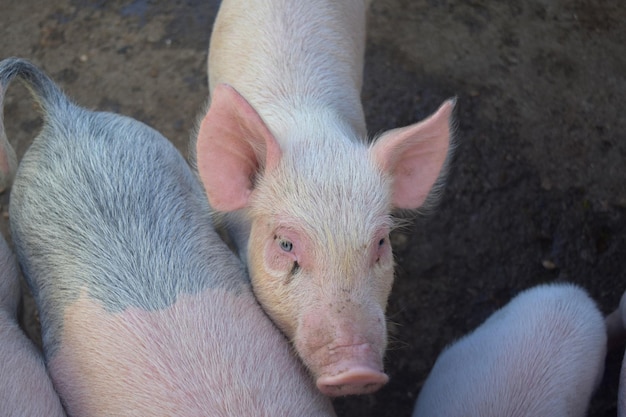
column 356, row 380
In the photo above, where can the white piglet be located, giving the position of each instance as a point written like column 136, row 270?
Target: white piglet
column 283, row 150
column 25, row 387
column 540, row 355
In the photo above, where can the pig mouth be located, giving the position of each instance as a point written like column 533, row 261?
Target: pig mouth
column 352, row 381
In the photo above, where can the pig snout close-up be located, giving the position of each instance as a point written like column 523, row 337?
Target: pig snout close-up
column 283, row 153
column 25, row 387
column 144, row 310
column 540, row 355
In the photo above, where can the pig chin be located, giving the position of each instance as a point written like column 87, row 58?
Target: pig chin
column 345, row 359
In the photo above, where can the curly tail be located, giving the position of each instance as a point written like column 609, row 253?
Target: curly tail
column 44, row 90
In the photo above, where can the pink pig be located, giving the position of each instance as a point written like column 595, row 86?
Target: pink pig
column 25, row 387
column 144, row 309
column 283, row 151
column 540, row 355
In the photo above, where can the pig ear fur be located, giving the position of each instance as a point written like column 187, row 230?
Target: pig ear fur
column 415, row 155
column 233, row 145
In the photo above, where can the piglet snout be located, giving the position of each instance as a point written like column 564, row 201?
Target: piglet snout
column 344, row 352
column 354, row 369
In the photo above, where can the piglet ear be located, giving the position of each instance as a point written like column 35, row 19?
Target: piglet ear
column 233, row 145
column 415, row 155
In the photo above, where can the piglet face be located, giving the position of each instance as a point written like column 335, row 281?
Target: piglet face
column 318, row 199
column 324, row 276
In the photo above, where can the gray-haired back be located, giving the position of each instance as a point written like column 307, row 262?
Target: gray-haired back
column 104, row 204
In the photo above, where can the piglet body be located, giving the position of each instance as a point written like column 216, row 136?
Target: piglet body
column 283, row 151
column 540, row 355
column 25, row 387
column 144, row 310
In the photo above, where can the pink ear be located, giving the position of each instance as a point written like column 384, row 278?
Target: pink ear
column 233, row 145
column 414, row 156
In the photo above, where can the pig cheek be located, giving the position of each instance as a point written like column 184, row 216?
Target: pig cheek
column 271, row 279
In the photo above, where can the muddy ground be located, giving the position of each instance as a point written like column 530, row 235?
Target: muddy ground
column 536, row 190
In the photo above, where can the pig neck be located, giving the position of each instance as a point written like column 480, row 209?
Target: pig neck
column 316, row 89
column 291, row 57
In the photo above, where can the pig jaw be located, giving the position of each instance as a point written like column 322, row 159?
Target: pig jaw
column 356, row 379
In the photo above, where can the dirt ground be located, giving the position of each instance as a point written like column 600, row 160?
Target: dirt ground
column 535, row 192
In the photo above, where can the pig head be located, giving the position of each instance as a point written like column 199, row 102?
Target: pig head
column 319, row 212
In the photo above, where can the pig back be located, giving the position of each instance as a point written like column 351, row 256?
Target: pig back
column 110, row 206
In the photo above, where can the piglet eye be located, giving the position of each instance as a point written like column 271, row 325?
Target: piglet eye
column 285, row 245
column 381, row 242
